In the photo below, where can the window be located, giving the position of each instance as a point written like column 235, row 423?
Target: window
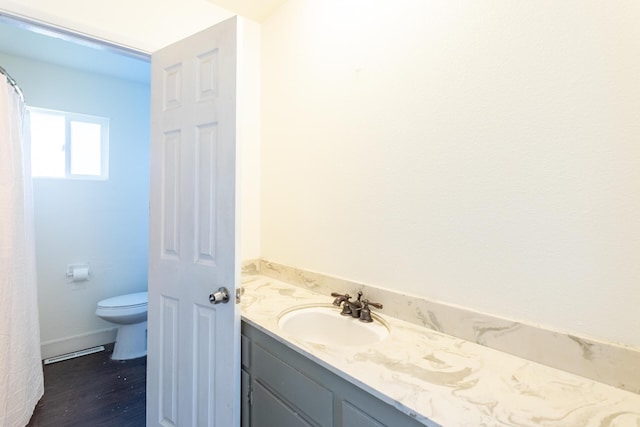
column 68, row 145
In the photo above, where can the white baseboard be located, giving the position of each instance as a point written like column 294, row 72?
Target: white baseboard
column 77, row 342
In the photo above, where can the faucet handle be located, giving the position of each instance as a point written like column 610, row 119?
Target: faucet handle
column 374, row 304
column 340, row 298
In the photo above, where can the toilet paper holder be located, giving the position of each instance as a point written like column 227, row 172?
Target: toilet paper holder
column 78, row 272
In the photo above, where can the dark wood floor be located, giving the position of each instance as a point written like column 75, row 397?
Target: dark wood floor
column 93, row 390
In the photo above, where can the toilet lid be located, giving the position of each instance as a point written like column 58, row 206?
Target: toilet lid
column 129, row 300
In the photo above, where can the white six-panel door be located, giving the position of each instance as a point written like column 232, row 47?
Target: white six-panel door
column 193, row 346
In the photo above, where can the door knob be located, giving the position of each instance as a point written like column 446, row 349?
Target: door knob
column 220, row 296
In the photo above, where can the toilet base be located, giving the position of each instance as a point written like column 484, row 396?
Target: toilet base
column 131, row 342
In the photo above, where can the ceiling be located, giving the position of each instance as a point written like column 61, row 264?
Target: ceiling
column 257, row 10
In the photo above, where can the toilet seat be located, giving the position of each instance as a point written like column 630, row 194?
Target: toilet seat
column 136, row 300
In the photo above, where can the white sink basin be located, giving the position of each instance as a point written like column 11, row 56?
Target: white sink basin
column 324, row 325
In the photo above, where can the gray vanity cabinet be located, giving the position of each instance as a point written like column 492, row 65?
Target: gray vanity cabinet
column 282, row 388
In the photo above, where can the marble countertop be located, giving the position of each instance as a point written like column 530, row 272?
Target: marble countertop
column 442, row 380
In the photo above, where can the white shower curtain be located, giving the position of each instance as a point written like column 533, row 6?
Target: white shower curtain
column 21, row 381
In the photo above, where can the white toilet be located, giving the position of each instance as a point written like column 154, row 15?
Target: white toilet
column 130, row 312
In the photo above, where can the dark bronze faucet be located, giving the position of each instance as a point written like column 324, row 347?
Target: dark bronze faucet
column 358, row 309
column 352, row 308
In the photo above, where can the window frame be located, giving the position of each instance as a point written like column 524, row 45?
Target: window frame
column 69, row 117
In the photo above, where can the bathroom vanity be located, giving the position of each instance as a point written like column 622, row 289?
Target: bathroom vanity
column 283, row 388
column 414, row 376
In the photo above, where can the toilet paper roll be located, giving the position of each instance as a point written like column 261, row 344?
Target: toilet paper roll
column 80, row 274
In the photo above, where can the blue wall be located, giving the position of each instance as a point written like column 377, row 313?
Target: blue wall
column 104, row 223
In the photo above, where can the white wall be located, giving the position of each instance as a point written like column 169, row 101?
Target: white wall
column 104, row 223
column 248, row 137
column 483, row 154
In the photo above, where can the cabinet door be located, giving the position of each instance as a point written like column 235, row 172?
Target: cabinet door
column 292, row 384
column 245, row 381
column 245, row 402
column 354, row 417
column 270, row 411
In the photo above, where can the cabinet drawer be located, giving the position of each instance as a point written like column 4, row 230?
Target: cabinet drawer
column 309, row 397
